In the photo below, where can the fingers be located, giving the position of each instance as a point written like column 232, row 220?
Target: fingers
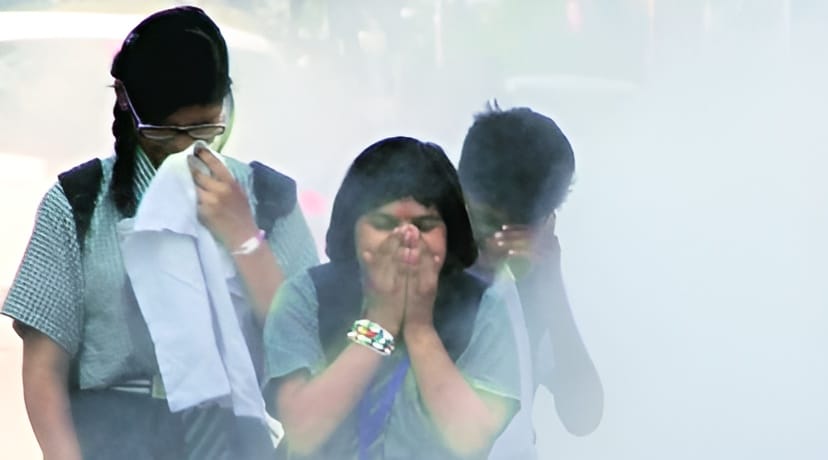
column 512, row 241
column 208, row 205
column 425, row 272
column 206, row 199
column 515, row 232
column 391, row 265
column 410, row 239
column 423, row 260
column 431, row 263
column 221, row 189
column 428, row 260
column 219, row 171
column 509, row 242
column 205, row 181
column 381, row 262
column 401, row 252
column 522, row 242
column 385, row 254
column 215, row 199
column 409, row 235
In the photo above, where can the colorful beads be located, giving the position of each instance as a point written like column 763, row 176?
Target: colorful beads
column 372, row 335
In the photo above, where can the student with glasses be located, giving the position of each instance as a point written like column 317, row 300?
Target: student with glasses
column 90, row 371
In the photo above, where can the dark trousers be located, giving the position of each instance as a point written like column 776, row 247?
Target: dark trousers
column 119, row 425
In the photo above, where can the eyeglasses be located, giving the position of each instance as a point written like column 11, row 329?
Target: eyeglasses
column 166, row 132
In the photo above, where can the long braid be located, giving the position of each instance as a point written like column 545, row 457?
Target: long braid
column 123, row 173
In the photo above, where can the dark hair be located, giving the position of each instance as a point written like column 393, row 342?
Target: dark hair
column 517, row 161
column 393, row 169
column 174, row 58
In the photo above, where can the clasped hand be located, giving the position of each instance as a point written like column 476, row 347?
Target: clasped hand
column 400, row 280
column 223, row 206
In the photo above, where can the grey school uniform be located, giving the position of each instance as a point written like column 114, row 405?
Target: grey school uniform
column 292, row 343
column 84, row 303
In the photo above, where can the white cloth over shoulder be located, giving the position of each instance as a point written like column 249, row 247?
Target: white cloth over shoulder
column 181, row 276
column 518, row 439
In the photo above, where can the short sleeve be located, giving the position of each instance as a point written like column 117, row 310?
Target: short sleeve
column 291, row 332
column 292, row 243
column 490, row 362
column 46, row 294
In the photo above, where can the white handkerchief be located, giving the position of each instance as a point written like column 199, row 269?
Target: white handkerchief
column 180, row 276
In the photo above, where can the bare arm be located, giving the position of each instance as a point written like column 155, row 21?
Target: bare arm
column 45, row 377
column 262, row 277
column 469, row 420
column 579, row 394
column 311, row 409
column 224, row 208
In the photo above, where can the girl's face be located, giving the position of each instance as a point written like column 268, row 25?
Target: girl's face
column 158, row 150
column 375, row 226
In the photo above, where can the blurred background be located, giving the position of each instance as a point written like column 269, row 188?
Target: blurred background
column 694, row 241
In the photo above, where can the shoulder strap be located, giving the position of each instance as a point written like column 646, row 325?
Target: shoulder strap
column 275, row 195
column 81, row 185
column 339, row 293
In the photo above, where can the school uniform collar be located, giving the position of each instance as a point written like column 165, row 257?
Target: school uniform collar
column 144, row 172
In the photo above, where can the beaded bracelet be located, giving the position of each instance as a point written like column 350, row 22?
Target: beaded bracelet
column 372, row 335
